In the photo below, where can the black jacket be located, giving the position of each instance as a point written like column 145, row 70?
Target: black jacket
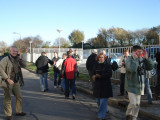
column 42, row 64
column 55, row 69
column 102, row 86
column 91, row 61
column 158, row 60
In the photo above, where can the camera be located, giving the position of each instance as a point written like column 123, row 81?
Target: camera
column 124, row 63
column 140, row 70
column 16, row 79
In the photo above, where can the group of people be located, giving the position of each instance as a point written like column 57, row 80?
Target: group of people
column 65, row 71
column 133, row 79
column 134, row 70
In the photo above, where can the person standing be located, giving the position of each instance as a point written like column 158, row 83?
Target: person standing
column 42, row 70
column 157, row 90
column 59, row 65
column 123, row 71
column 69, row 71
column 102, row 90
column 10, row 71
column 56, row 71
column 77, row 58
column 136, row 68
column 91, row 60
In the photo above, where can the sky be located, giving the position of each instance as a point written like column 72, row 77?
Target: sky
column 44, row 17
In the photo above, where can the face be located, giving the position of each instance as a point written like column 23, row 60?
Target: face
column 55, row 54
column 104, row 52
column 126, row 54
column 101, row 58
column 139, row 52
column 75, row 51
column 14, row 52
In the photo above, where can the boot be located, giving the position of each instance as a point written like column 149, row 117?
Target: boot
column 129, row 117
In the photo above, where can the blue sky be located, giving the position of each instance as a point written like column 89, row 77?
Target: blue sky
column 44, row 17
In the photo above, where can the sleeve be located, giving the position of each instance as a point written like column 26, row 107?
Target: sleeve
column 58, row 63
column 50, row 61
column 3, row 65
column 149, row 64
column 87, row 63
column 131, row 64
column 120, row 62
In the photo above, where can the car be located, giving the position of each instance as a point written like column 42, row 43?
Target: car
column 115, row 56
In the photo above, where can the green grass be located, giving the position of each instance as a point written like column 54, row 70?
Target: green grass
column 31, row 66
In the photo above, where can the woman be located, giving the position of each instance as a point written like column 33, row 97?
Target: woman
column 102, row 90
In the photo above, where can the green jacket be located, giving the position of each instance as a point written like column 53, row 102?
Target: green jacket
column 6, row 68
column 133, row 83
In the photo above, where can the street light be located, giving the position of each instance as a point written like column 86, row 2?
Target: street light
column 30, row 46
column 58, row 30
column 17, row 34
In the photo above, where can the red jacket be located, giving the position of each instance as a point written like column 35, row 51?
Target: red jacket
column 70, row 67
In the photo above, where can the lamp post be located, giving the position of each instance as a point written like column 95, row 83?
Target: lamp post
column 30, row 46
column 82, row 50
column 58, row 30
column 17, row 34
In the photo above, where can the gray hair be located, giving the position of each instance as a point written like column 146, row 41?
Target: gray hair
column 12, row 48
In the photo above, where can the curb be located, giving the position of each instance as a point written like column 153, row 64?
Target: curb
column 120, row 103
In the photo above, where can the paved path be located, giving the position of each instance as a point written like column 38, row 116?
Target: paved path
column 51, row 105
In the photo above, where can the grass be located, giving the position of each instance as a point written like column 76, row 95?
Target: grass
column 31, row 66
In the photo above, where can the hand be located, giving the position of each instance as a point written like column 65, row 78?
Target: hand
column 98, row 76
column 10, row 81
column 145, row 54
column 134, row 54
column 94, row 77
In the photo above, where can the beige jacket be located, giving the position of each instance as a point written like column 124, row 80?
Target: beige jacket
column 6, row 69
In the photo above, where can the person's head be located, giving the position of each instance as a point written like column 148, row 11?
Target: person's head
column 43, row 53
column 137, row 49
column 94, row 51
column 75, row 51
column 126, row 52
column 64, row 56
column 13, row 51
column 69, row 53
column 55, row 54
column 101, row 57
column 104, row 52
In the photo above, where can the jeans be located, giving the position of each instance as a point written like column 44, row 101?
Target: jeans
column 57, row 74
column 70, row 83
column 43, row 80
column 134, row 105
column 102, row 107
column 148, row 90
column 63, row 83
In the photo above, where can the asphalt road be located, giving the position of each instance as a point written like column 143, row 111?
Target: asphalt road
column 52, row 105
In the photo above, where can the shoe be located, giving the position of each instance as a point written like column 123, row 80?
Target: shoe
column 9, row 118
column 129, row 117
column 55, row 86
column 149, row 102
column 46, row 89
column 120, row 94
column 20, row 114
column 42, row 90
column 73, row 97
column 66, row 97
column 62, row 90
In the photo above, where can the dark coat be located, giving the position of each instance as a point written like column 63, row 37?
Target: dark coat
column 42, row 64
column 55, row 69
column 91, row 61
column 102, row 86
column 158, row 60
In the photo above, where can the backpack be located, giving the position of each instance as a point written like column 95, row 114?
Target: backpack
column 114, row 66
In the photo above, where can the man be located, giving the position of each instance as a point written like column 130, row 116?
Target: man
column 59, row 64
column 91, row 60
column 136, row 68
column 42, row 70
column 10, row 71
column 123, row 71
column 157, row 92
column 69, row 70
column 77, row 58
column 56, row 71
